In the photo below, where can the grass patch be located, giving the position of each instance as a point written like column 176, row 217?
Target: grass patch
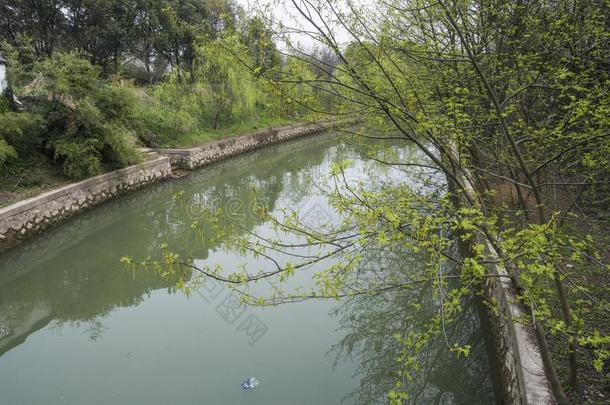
column 30, row 177
column 202, row 136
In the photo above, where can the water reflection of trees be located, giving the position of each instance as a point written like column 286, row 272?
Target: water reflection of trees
column 72, row 273
column 281, row 176
column 371, row 324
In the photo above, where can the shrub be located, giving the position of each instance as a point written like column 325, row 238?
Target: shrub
column 7, row 153
column 169, row 111
column 91, row 122
column 18, row 132
column 119, row 145
column 5, row 104
column 80, row 158
column 21, row 129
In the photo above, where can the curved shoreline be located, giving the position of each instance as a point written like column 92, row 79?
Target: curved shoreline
column 517, row 354
column 24, row 219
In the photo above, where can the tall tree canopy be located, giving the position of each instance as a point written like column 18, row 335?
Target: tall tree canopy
column 112, row 31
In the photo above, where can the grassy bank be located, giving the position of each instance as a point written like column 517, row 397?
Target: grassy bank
column 206, row 135
column 36, row 174
column 31, row 177
column 72, row 121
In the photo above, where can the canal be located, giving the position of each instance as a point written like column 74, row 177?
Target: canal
column 77, row 327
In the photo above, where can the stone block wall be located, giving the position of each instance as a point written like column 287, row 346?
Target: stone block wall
column 24, row 219
column 518, row 357
column 219, row 150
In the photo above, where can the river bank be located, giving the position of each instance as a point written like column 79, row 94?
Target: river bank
column 580, row 215
column 101, row 313
column 35, row 174
column 24, row 219
column 583, row 220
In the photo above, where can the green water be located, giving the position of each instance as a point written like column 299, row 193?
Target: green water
column 77, row 328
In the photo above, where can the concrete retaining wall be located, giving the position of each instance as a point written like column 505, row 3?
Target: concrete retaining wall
column 22, row 220
column 26, row 218
column 518, row 356
column 216, row 151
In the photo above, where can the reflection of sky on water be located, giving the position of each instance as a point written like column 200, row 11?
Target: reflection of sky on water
column 79, row 328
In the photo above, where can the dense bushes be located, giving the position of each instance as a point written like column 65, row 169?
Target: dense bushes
column 21, row 130
column 82, row 122
column 105, row 76
column 169, row 110
column 87, row 123
column 7, row 153
column 90, row 122
column 18, row 133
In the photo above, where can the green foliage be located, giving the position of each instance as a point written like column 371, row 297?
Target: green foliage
column 173, row 114
column 495, row 95
column 230, row 91
column 110, row 31
column 21, row 129
column 224, row 97
column 258, row 37
column 67, row 76
column 514, row 93
column 5, row 104
column 205, row 58
column 80, row 158
column 20, row 61
column 299, row 95
column 89, row 122
column 7, row 153
column 18, row 133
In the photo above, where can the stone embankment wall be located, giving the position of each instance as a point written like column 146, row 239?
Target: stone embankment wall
column 219, row 150
column 518, row 354
column 26, row 218
column 22, row 220
column 518, row 357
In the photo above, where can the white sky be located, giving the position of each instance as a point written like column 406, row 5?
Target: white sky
column 284, row 11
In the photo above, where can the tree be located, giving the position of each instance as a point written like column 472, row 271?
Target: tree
column 492, row 99
column 259, row 39
column 98, row 28
column 112, row 32
column 229, row 87
column 88, row 121
column 42, row 20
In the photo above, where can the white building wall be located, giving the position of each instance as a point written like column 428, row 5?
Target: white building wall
column 3, row 82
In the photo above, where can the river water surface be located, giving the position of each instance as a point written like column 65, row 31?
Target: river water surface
column 76, row 327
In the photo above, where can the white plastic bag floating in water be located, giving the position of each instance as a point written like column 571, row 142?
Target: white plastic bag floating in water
column 249, row 383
